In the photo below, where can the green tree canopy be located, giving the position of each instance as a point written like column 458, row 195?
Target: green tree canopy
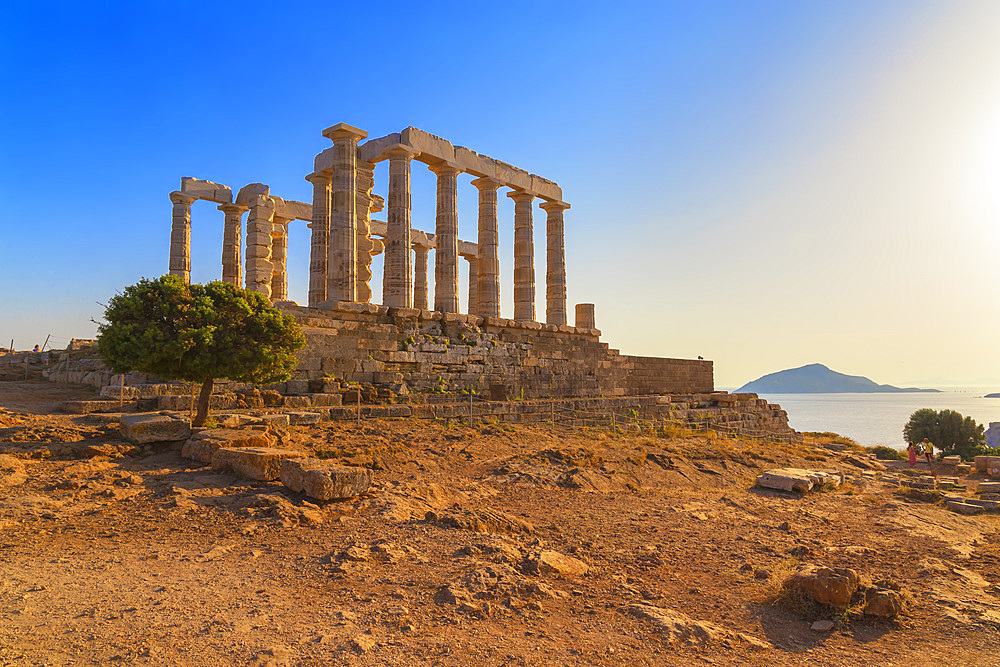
column 168, row 328
column 948, row 431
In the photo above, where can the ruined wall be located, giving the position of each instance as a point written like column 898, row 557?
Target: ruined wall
column 429, row 351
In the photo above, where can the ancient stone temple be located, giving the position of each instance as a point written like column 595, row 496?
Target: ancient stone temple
column 407, row 341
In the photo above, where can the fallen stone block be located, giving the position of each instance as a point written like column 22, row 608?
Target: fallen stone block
column 202, row 445
column 297, row 418
column 146, row 427
column 796, row 479
column 963, row 508
column 951, row 460
column 985, row 504
column 261, row 463
column 829, row 586
column 324, row 480
column 989, row 487
column 276, row 420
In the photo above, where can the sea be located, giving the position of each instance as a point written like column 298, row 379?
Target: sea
column 878, row 419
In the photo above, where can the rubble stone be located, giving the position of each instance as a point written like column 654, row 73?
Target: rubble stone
column 150, row 427
column 829, row 586
column 259, row 463
column 324, row 480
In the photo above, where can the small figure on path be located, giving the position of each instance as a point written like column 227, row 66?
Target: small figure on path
column 911, row 449
column 928, row 450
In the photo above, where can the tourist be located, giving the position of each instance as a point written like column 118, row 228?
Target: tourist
column 36, row 349
column 928, row 450
column 911, row 449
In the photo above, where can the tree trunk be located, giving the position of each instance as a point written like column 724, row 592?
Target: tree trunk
column 203, row 400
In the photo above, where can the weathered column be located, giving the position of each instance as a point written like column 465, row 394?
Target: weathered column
column 446, row 239
column 555, row 263
column 279, row 259
column 524, row 256
column 258, row 266
column 232, row 239
column 180, row 236
column 342, row 270
column 488, row 284
column 473, row 283
column 585, row 316
column 420, row 276
column 320, row 238
column 364, row 243
column 397, row 286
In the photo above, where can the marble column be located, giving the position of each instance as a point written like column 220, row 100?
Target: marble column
column 259, row 227
column 420, row 276
column 473, row 283
column 232, row 240
column 397, row 285
column 524, row 256
column 279, row 258
column 555, row 263
column 585, row 316
column 342, row 260
column 180, row 236
column 488, row 284
column 446, row 239
column 363, row 242
column 320, row 238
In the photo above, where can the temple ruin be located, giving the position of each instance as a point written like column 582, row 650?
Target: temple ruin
column 404, row 341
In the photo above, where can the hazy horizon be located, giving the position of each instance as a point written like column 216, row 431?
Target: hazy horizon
column 766, row 185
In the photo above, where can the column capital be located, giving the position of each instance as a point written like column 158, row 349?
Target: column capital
column 178, row 197
column 233, row 208
column 399, row 151
column 487, row 183
column 444, row 168
column 521, row 195
column 553, row 205
column 344, row 132
column 420, row 247
column 278, row 220
column 320, row 177
column 468, row 256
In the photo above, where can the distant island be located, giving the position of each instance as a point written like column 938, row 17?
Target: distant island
column 992, row 396
column 818, row 379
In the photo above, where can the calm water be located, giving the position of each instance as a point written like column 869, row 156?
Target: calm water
column 878, row 419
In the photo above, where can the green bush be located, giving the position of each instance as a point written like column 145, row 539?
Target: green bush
column 884, row 453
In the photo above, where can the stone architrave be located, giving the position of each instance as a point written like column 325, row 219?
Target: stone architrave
column 279, row 259
column 555, row 263
column 488, row 265
column 342, row 270
column 397, row 285
column 259, row 227
column 232, row 240
column 524, row 256
column 420, row 276
column 180, row 235
column 473, row 282
column 320, row 238
column 364, row 243
column 446, row 238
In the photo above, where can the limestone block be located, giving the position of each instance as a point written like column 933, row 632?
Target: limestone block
column 795, row 479
column 297, row 387
column 511, row 176
column 964, row 508
column 259, row 463
column 989, row 487
column 829, row 586
column 302, row 418
column 276, row 420
column 206, row 190
column 149, row 427
column 250, row 191
column 325, row 399
column 202, row 445
column 372, row 150
column 473, row 163
column 428, row 145
column 545, row 188
column 324, row 480
column 298, row 402
column 293, row 210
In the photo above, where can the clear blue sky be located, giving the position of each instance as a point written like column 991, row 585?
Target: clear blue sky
column 765, row 184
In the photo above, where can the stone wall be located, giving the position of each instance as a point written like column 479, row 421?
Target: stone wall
column 430, row 351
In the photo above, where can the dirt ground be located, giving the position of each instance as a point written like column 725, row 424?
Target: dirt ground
column 149, row 559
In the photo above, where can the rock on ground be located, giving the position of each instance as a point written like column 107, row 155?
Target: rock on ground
column 324, row 480
column 678, row 628
column 830, row 586
column 796, row 479
column 202, row 445
column 146, row 427
column 260, row 463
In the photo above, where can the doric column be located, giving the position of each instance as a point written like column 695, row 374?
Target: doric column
column 259, row 224
column 420, row 276
column 279, row 259
column 180, row 236
column 524, row 256
column 320, row 239
column 397, row 287
column 342, row 270
column 446, row 239
column 555, row 263
column 232, row 240
column 473, row 283
column 585, row 316
column 488, row 285
column 364, row 244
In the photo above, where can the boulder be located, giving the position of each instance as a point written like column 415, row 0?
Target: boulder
column 796, row 479
column 147, row 427
column 324, row 480
column 830, row 586
column 884, row 604
column 259, row 463
column 555, row 563
column 202, row 445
